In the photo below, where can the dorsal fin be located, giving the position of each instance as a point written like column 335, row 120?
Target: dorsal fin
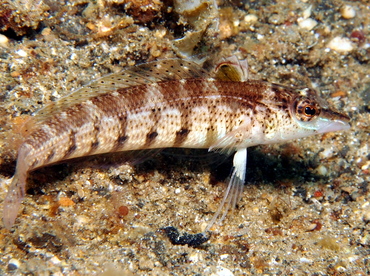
column 157, row 71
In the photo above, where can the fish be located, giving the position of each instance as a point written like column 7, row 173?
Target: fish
column 170, row 103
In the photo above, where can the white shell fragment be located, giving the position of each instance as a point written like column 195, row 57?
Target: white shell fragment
column 250, row 18
column 307, row 12
column 191, row 6
column 4, row 41
column 348, row 12
column 307, row 23
column 340, row 44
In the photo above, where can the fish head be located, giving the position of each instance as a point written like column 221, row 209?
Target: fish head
column 312, row 115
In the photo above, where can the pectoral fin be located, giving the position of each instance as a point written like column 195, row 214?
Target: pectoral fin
column 235, row 188
column 234, row 139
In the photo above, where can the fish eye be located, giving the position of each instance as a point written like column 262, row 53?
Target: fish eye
column 310, row 111
column 306, row 109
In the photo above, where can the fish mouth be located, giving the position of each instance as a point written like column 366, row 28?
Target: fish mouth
column 333, row 121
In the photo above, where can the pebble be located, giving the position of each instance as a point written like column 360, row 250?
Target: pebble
column 327, row 153
column 46, row 31
column 340, row 44
column 250, row 18
column 305, row 260
column 4, row 41
column 366, row 215
column 307, row 12
column 13, row 264
column 195, row 257
column 366, row 166
column 322, row 170
column 65, row 202
column 307, row 23
column 365, row 239
column 145, row 263
column 55, row 260
column 190, row 7
column 338, row 93
column 348, row 12
column 222, row 271
column 349, row 189
column 311, row 227
column 15, row 74
column 318, row 207
column 21, row 53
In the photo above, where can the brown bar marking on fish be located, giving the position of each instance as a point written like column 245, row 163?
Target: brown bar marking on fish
column 181, row 136
column 95, row 140
column 34, row 164
column 150, row 138
column 158, row 92
column 50, row 156
column 72, row 144
column 122, row 137
column 189, row 108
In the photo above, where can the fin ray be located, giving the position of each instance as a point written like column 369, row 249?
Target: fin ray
column 234, row 190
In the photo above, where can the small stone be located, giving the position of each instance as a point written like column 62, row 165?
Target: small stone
column 366, row 166
column 305, row 260
column 13, row 264
column 195, row 257
column 91, row 26
column 340, row 44
column 307, row 23
column 21, row 53
column 311, row 227
column 250, row 18
column 365, row 240
column 55, row 261
column 123, row 210
column 66, row 202
column 82, row 219
column 224, row 256
column 190, row 7
column 322, row 170
column 146, row 264
column 366, row 216
column 15, row 74
column 327, row 153
column 4, row 41
column 349, row 189
column 348, row 12
column 307, row 12
column 160, row 33
column 81, row 193
column 46, row 31
column 222, row 271
column 338, row 93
